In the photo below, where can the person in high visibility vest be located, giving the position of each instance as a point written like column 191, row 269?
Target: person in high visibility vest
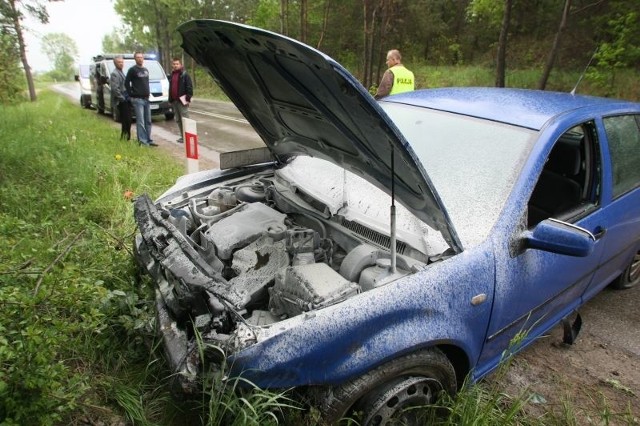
column 397, row 78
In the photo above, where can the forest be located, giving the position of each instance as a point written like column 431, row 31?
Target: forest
column 500, row 34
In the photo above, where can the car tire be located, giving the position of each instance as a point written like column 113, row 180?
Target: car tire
column 631, row 275
column 383, row 394
column 169, row 116
column 115, row 114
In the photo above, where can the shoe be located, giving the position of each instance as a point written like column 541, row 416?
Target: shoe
column 180, row 140
column 152, row 143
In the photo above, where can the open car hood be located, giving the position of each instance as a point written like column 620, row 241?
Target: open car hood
column 302, row 102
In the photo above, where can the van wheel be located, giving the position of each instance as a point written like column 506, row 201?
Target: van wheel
column 630, row 277
column 398, row 392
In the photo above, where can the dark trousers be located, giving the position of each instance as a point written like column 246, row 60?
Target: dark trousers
column 124, row 108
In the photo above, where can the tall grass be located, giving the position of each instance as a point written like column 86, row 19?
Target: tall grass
column 69, row 302
column 620, row 83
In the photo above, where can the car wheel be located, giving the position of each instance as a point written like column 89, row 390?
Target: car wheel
column 385, row 394
column 630, row 277
column 115, row 113
column 169, row 116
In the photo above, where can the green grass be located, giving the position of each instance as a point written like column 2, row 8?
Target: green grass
column 617, row 83
column 76, row 324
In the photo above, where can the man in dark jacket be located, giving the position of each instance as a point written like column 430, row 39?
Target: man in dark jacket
column 120, row 98
column 180, row 93
column 136, row 83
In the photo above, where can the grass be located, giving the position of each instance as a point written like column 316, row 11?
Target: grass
column 76, row 325
column 615, row 83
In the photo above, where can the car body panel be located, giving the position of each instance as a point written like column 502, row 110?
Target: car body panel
column 353, row 337
column 514, row 282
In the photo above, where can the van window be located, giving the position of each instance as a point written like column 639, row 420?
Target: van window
column 156, row 72
column 84, row 71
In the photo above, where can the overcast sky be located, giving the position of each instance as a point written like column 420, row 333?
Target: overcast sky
column 85, row 21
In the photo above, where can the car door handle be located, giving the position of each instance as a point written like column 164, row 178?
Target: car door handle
column 599, row 233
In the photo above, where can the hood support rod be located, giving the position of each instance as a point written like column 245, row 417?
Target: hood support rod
column 392, row 232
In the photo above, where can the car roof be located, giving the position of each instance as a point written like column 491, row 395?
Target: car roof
column 520, row 107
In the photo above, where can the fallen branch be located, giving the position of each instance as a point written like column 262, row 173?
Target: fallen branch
column 56, row 260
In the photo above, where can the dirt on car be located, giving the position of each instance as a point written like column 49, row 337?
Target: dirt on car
column 596, row 380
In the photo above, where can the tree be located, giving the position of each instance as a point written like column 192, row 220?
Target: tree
column 10, row 81
column 554, row 49
column 13, row 13
column 502, row 45
column 62, row 51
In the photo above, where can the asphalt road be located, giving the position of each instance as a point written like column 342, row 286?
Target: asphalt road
column 221, row 127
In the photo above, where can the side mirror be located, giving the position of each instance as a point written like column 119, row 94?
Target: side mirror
column 559, row 237
column 76, row 77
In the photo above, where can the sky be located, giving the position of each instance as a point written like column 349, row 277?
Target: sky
column 85, row 21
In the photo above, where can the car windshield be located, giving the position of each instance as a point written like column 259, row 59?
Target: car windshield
column 473, row 163
column 155, row 70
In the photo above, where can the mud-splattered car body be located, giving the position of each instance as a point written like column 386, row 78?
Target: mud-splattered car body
column 378, row 230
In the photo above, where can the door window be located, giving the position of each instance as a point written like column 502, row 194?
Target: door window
column 623, row 133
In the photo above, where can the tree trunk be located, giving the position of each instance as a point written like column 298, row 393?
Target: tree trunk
column 303, row 21
column 542, row 84
column 366, row 75
column 325, row 23
column 284, row 17
column 502, row 45
column 15, row 16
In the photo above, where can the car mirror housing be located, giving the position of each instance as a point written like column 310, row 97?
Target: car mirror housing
column 559, row 237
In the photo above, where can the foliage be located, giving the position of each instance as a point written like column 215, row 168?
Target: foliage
column 12, row 13
column 10, row 74
column 62, row 51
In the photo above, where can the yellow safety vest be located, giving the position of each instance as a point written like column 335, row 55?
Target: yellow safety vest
column 403, row 80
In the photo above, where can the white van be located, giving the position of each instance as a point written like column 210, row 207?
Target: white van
column 84, row 78
column 101, row 98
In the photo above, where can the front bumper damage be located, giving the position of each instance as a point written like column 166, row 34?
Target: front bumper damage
column 165, row 254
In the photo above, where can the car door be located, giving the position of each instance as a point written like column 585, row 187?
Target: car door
column 535, row 289
column 621, row 195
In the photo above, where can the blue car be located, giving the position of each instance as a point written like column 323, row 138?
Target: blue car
column 376, row 253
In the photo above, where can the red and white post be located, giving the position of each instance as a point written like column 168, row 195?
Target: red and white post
column 190, row 138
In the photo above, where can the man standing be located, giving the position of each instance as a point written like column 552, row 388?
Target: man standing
column 136, row 84
column 120, row 98
column 396, row 79
column 180, row 93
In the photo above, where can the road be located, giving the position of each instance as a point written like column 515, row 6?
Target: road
column 221, row 127
column 604, row 362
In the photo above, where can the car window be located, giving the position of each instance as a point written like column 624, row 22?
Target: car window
column 473, row 163
column 570, row 183
column 624, row 146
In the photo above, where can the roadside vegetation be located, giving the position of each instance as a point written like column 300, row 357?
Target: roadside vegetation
column 77, row 345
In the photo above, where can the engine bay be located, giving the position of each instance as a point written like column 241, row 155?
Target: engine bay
column 257, row 249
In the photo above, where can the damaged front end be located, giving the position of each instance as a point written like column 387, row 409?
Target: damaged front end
column 234, row 257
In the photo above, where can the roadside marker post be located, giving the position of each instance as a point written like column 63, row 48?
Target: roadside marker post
column 190, row 138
